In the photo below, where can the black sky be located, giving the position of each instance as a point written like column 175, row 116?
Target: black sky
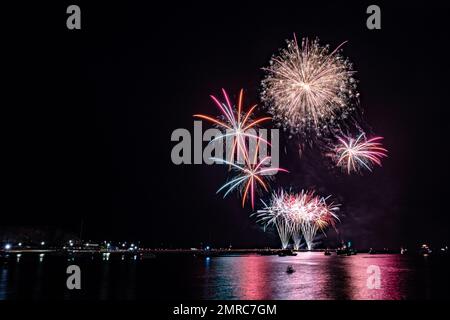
column 87, row 127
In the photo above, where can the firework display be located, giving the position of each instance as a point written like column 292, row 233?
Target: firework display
column 298, row 215
column 236, row 124
column 277, row 213
column 309, row 89
column 252, row 173
column 311, row 93
column 354, row 155
column 311, row 214
column 249, row 176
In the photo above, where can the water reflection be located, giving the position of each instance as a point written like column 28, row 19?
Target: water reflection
column 252, row 274
column 316, row 277
column 393, row 273
column 37, row 290
column 250, row 277
column 3, row 283
column 104, row 280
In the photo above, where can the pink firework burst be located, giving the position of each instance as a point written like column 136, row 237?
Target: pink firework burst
column 236, row 123
column 354, row 155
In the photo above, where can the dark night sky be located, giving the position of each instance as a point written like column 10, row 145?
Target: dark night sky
column 87, row 129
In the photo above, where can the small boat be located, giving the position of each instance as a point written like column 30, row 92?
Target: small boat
column 290, row 269
column 327, row 252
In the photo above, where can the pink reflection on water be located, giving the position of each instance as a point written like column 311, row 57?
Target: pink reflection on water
column 307, row 283
column 394, row 277
column 252, row 278
column 316, row 277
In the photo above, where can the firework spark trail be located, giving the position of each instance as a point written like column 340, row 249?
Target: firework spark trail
column 285, row 231
column 277, row 215
column 356, row 154
column 309, row 89
column 323, row 216
column 250, row 175
column 236, row 123
column 297, row 238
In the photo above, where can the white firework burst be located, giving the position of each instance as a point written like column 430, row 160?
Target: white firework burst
column 308, row 89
